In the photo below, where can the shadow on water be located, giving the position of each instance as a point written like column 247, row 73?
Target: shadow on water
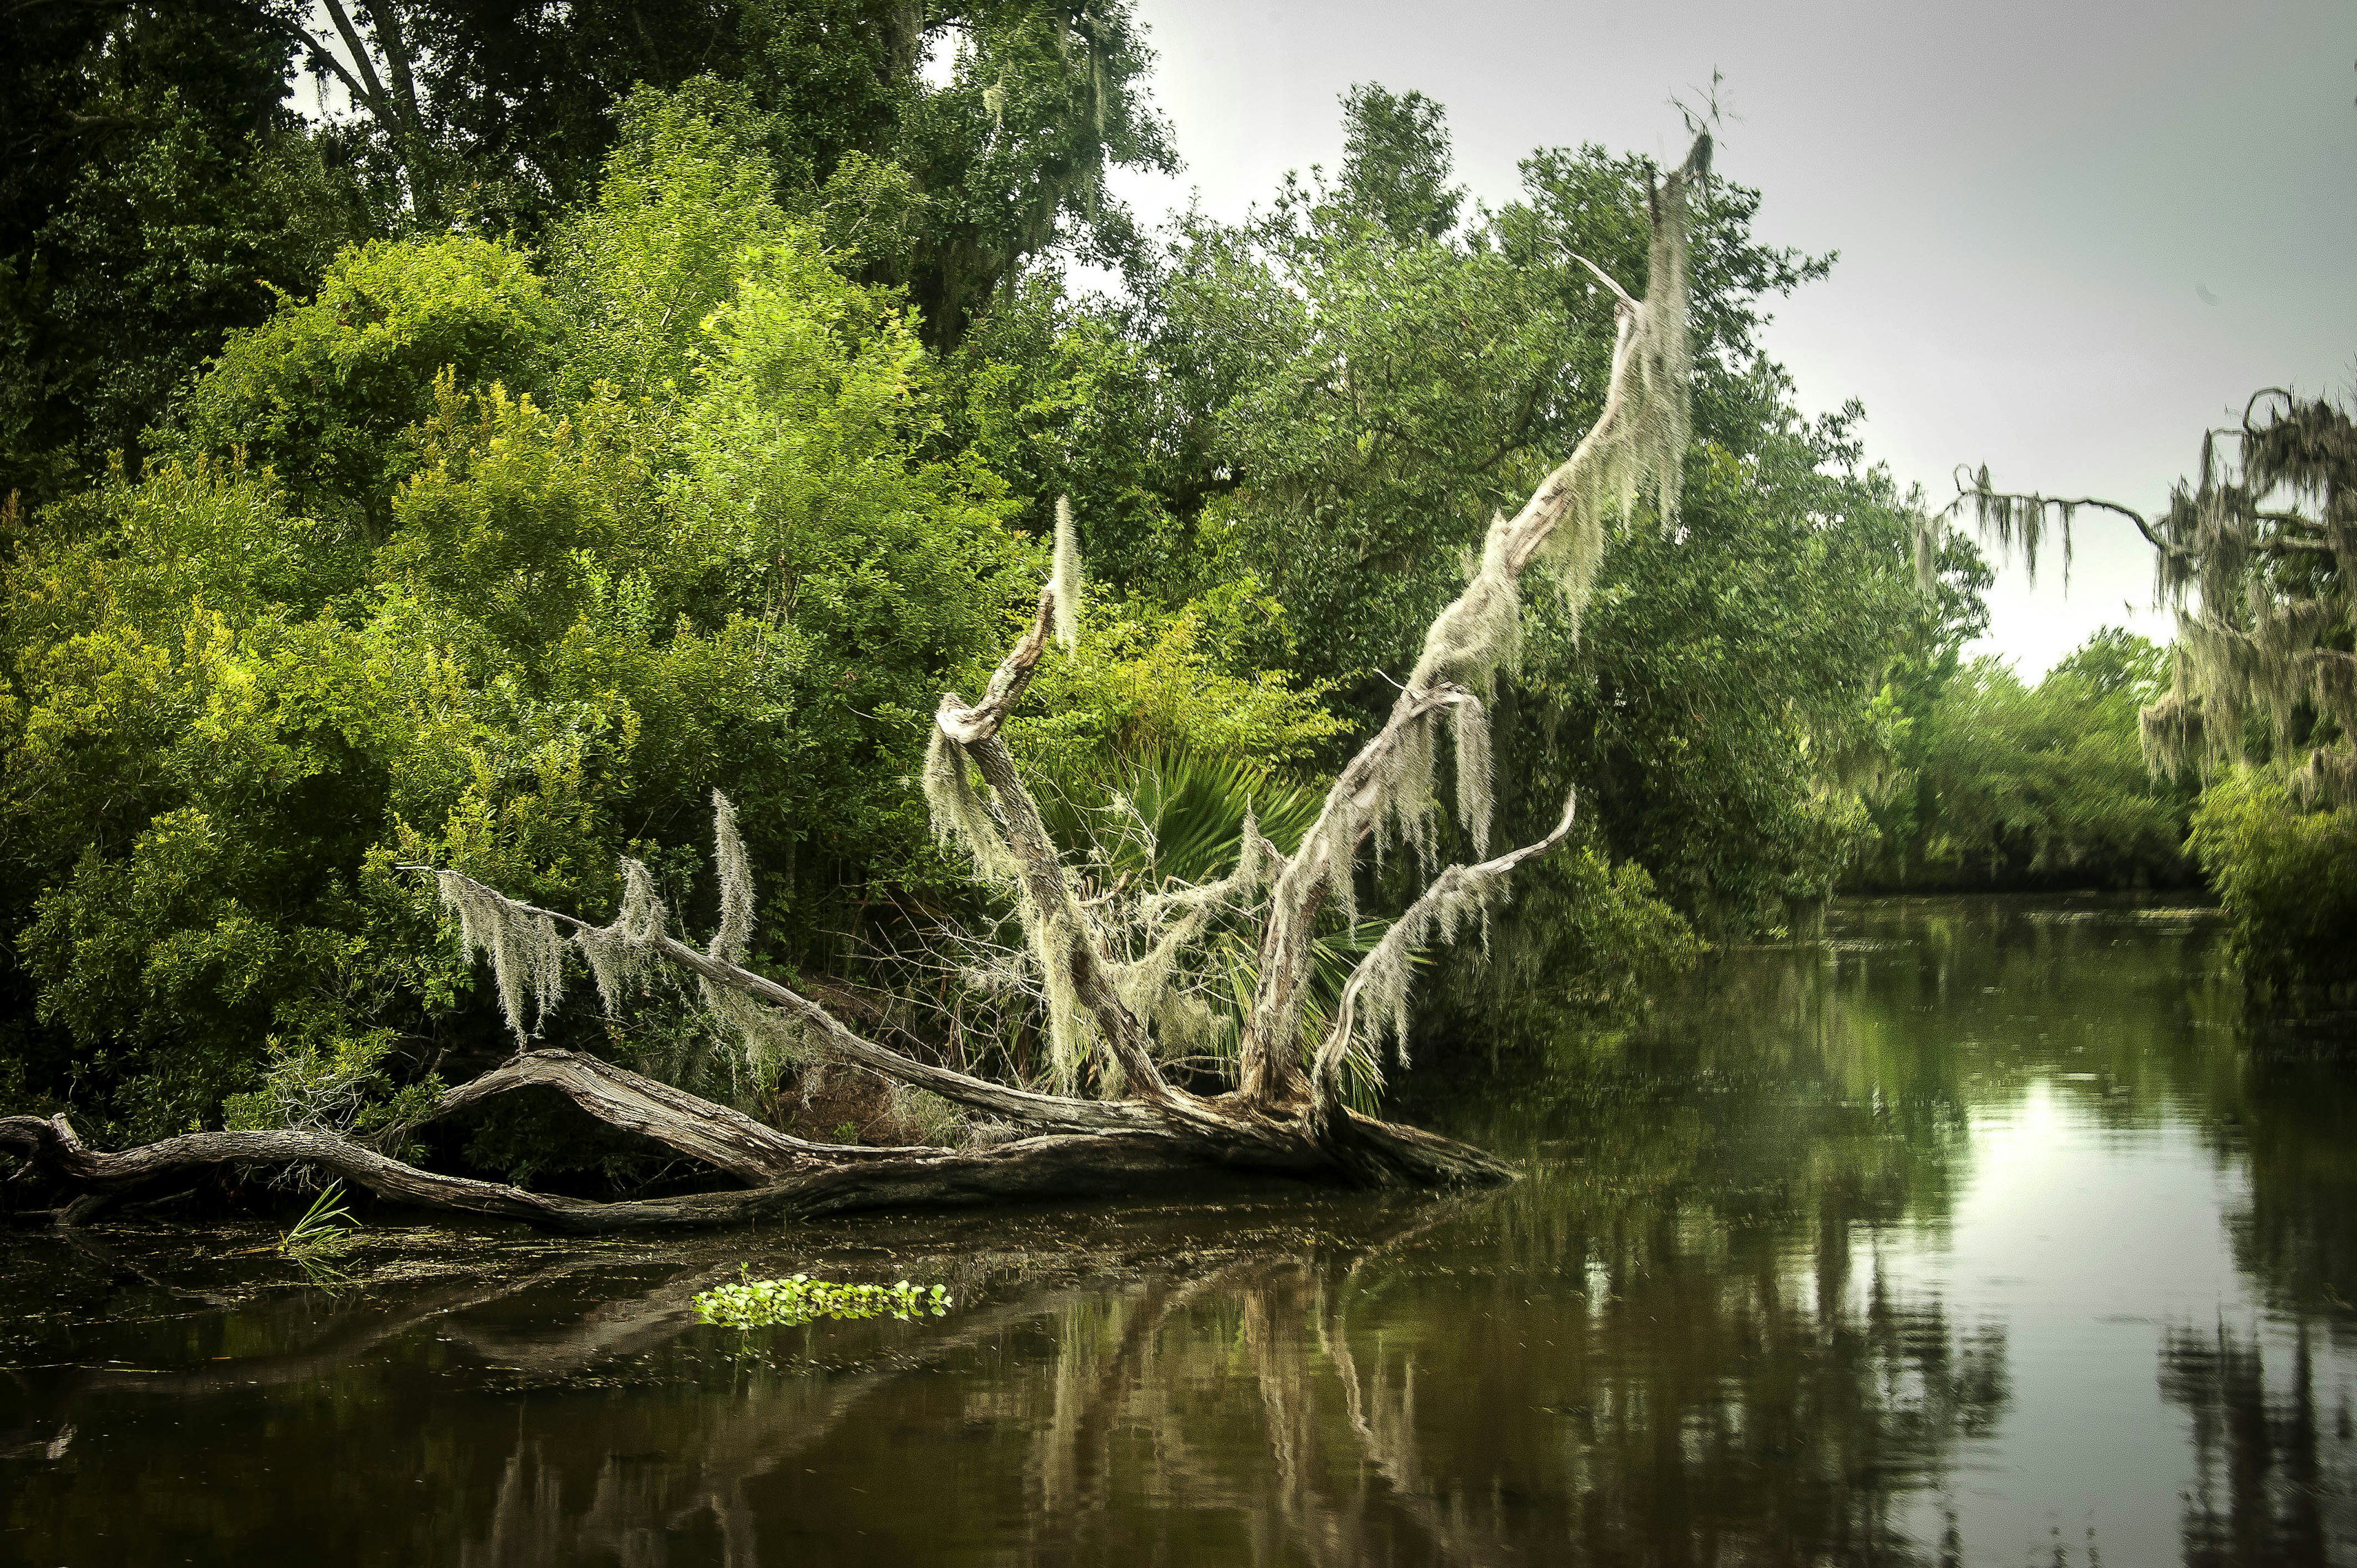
column 1978, row 1232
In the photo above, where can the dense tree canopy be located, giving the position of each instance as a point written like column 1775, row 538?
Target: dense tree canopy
column 2012, row 785
column 659, row 414
column 160, row 184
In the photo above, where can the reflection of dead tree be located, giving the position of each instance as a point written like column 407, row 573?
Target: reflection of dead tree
column 1110, row 1022
column 1123, row 1361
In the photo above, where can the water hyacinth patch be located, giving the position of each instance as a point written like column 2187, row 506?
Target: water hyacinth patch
column 775, row 1304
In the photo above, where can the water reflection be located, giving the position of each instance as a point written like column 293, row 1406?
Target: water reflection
column 2274, row 1462
column 1975, row 1233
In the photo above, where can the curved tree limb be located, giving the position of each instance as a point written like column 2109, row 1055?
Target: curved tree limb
column 972, row 726
column 1268, row 1073
column 722, row 1138
column 1070, row 937
column 1981, row 496
column 1450, row 888
column 1021, row 1106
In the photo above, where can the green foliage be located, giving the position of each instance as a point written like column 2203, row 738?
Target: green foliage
column 504, row 557
column 942, row 188
column 1145, row 682
column 1587, row 942
column 1718, row 709
column 156, row 188
column 323, row 1235
column 560, row 627
column 326, row 392
column 1395, row 164
column 2010, row 785
column 1178, row 813
column 1326, row 404
column 640, row 265
column 344, row 1085
column 799, row 1299
column 161, row 188
column 2286, row 878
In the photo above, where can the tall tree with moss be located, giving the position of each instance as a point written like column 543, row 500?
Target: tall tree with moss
column 1330, row 399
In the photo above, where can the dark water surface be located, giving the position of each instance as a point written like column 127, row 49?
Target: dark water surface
column 1981, row 1231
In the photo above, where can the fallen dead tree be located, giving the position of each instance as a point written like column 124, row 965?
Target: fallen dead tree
column 1114, row 1012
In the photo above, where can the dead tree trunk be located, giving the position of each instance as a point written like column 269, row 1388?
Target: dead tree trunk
column 1108, row 1016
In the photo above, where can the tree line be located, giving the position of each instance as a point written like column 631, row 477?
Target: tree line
column 589, row 417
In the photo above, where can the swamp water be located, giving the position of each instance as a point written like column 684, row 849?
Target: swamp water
column 1981, row 1231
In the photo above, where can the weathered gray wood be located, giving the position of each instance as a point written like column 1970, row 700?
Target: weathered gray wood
column 1058, row 1166
column 724, row 1139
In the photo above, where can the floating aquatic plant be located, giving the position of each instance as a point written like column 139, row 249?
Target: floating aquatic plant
column 782, row 1304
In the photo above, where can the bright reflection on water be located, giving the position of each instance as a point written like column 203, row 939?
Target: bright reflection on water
column 1981, row 1233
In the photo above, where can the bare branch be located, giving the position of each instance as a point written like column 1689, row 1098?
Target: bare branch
column 1608, row 280
column 971, row 726
column 1058, row 615
column 1064, row 935
column 1983, row 497
column 1459, row 894
column 1058, row 1166
column 369, row 89
column 724, row 1139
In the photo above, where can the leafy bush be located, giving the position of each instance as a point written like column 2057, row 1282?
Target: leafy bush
column 456, row 625
column 2286, row 878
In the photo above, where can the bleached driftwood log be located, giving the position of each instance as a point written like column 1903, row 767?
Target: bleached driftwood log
column 1111, row 1020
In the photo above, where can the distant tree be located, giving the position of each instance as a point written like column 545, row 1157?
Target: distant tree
column 2256, row 553
column 2256, row 556
column 2008, row 784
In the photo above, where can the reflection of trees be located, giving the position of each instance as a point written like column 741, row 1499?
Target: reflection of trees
column 1673, row 1342
column 1386, row 1387
column 1313, row 1409
column 2277, row 1472
column 2292, row 1120
column 1920, row 1015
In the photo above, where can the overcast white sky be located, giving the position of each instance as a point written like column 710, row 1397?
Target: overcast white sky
column 2030, row 200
